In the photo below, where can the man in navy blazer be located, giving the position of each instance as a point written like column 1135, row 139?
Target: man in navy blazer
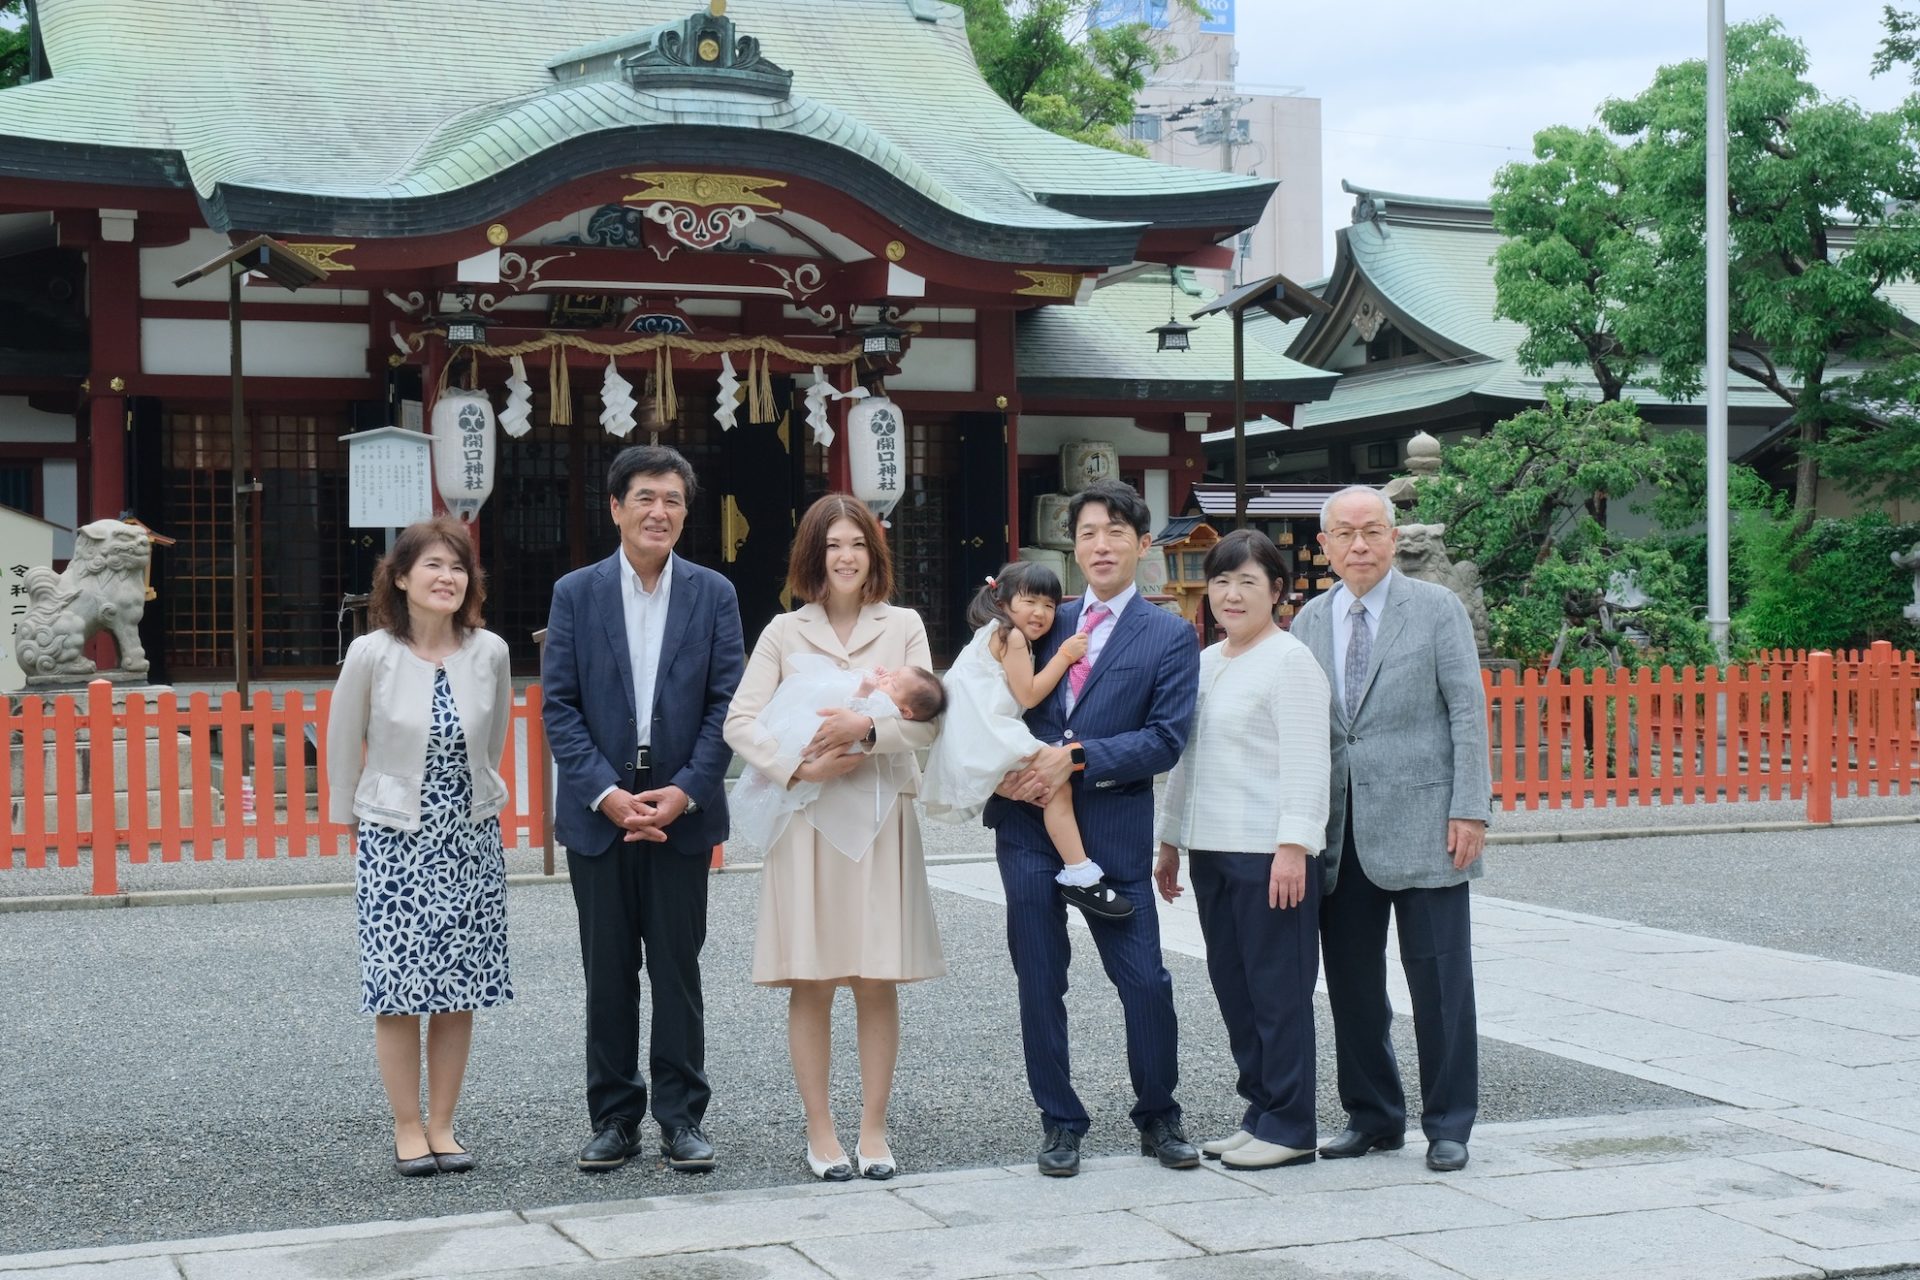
column 1126, row 724
column 642, row 655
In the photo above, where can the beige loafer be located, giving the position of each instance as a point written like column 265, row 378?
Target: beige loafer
column 1256, row 1154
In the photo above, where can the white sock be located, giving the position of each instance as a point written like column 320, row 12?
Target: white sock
column 1080, row 874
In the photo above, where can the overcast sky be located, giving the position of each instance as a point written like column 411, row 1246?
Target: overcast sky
column 1430, row 97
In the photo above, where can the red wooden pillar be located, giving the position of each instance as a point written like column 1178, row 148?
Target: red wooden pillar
column 839, row 461
column 113, row 303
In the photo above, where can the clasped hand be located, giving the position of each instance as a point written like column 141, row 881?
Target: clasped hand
column 644, row 816
column 1033, row 782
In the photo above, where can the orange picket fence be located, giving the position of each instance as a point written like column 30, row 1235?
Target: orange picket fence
column 174, row 780
column 1789, row 725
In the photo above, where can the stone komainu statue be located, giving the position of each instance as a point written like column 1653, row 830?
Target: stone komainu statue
column 103, row 589
column 1422, row 555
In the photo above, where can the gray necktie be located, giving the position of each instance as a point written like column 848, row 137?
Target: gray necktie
column 1359, row 653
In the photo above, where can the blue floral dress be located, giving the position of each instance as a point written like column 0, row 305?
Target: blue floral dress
column 432, row 903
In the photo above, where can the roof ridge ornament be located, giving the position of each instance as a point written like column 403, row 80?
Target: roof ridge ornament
column 704, row 51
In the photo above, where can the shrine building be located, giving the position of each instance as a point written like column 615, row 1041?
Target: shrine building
column 785, row 185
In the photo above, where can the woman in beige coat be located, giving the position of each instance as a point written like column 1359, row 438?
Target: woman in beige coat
column 827, row 920
column 415, row 730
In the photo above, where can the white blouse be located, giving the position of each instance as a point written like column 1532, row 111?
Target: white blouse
column 1255, row 771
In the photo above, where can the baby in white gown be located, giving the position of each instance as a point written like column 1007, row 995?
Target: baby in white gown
column 990, row 686
column 760, row 808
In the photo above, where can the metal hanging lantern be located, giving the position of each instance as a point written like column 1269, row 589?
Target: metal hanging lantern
column 1173, row 335
column 881, row 345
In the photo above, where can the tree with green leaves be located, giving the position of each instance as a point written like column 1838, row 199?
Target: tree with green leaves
column 1608, row 266
column 16, row 43
column 1573, row 269
column 1058, row 69
column 1523, row 503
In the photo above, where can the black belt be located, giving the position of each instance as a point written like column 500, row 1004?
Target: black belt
column 642, row 762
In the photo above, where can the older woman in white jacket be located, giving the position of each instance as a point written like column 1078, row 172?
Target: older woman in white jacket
column 1248, row 801
column 414, row 736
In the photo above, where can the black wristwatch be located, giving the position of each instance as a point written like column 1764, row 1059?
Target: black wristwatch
column 873, row 733
column 1078, row 754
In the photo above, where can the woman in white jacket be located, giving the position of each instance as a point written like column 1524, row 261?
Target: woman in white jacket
column 414, row 737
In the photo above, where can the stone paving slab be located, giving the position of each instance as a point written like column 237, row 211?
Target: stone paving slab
column 1355, row 1260
column 777, row 1262
column 1009, row 1247
column 1692, row 1243
column 1628, row 1189
column 671, row 1228
column 1027, row 1194
column 1302, row 1216
column 1836, row 1219
column 402, row 1256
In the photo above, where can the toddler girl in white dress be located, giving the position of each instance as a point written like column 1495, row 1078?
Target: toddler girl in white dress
column 982, row 736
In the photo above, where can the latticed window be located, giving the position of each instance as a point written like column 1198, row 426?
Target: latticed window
column 303, row 557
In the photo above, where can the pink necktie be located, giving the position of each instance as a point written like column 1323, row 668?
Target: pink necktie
column 1077, row 673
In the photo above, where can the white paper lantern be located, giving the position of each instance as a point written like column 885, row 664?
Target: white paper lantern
column 463, row 451
column 877, row 452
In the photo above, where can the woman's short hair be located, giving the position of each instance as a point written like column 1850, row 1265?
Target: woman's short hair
column 807, row 563
column 387, row 607
column 1240, row 547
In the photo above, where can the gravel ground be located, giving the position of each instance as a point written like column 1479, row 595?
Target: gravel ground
column 184, row 1071
column 1842, row 893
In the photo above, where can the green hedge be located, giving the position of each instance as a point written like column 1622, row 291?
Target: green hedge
column 1833, row 587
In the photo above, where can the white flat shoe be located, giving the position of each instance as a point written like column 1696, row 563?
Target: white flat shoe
column 1256, row 1154
column 878, row 1169
column 829, row 1170
column 1220, row 1146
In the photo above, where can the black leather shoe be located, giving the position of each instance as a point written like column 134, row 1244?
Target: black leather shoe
column 1445, row 1157
column 1167, row 1141
column 687, row 1149
column 1356, row 1143
column 612, row 1145
column 1060, row 1154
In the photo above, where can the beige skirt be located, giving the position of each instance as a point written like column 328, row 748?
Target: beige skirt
column 826, row 918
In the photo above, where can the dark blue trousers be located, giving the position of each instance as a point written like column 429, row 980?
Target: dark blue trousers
column 643, row 906
column 1436, row 951
column 1263, row 963
column 1129, row 950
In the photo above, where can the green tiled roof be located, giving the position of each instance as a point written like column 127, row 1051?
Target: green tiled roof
column 298, row 106
column 1104, row 348
column 1431, row 263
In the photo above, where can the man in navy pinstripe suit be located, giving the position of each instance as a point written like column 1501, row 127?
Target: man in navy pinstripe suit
column 1119, row 719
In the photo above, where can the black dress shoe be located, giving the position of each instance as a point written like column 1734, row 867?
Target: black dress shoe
column 1356, row 1143
column 687, row 1149
column 1166, row 1140
column 612, row 1145
column 1060, row 1154
column 1444, row 1156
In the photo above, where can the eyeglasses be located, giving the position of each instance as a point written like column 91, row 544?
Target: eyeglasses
column 1374, row 534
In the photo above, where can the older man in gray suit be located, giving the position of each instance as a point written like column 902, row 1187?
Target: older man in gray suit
column 1410, row 804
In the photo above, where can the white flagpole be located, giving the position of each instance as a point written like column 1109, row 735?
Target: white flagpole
column 1716, row 195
